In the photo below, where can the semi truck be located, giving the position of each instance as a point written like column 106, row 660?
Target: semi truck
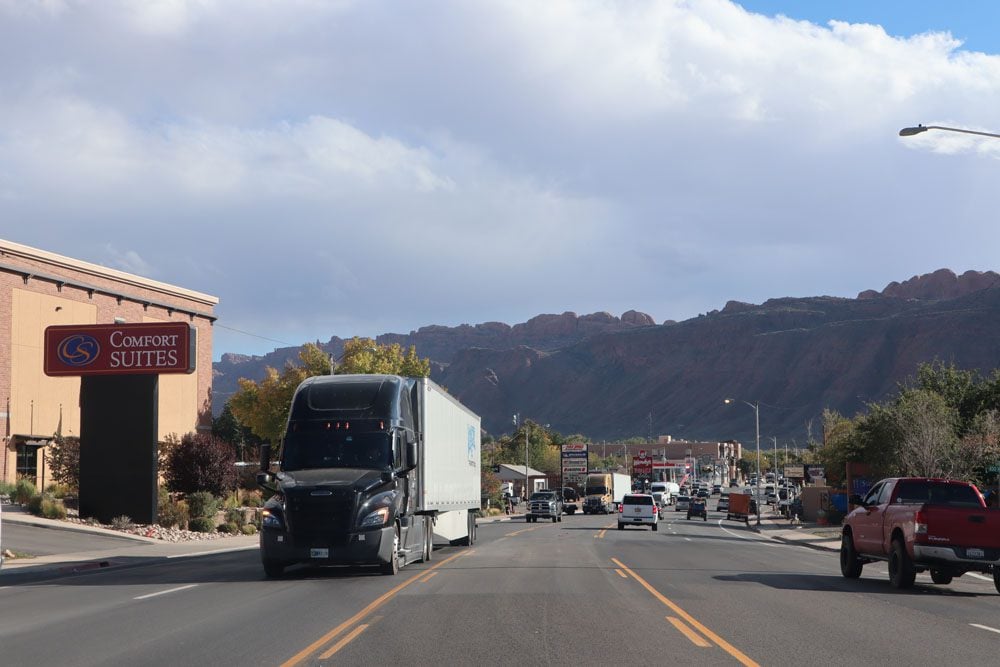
column 372, row 469
column 604, row 490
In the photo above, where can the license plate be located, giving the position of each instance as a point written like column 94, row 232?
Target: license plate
column 319, row 553
column 637, row 510
column 975, row 553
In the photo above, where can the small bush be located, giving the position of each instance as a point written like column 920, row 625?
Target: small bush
column 35, row 504
column 235, row 516
column 201, row 524
column 202, row 504
column 232, row 500
column 200, row 462
column 122, row 522
column 253, row 498
column 229, row 528
column 248, row 529
column 172, row 514
column 58, row 490
column 53, row 509
column 7, row 488
column 24, row 491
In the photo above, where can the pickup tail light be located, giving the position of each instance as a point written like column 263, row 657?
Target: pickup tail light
column 621, row 508
column 920, row 523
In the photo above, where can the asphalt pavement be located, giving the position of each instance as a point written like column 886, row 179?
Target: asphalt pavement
column 118, row 549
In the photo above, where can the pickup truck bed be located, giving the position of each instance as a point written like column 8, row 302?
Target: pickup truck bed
column 921, row 524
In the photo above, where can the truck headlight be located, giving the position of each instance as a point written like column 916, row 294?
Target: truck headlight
column 271, row 519
column 377, row 518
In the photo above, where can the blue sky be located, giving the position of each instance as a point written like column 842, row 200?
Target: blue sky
column 974, row 22
column 370, row 166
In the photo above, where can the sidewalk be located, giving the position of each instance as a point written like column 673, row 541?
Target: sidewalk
column 814, row 536
column 134, row 550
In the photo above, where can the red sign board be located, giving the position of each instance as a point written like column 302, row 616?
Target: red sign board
column 120, row 349
column 642, row 465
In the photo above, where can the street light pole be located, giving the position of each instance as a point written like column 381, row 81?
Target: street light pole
column 910, row 131
column 756, row 412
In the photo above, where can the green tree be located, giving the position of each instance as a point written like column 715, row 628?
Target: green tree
column 926, row 423
column 364, row 355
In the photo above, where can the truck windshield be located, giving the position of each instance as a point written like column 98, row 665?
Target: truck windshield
column 597, row 490
column 306, row 449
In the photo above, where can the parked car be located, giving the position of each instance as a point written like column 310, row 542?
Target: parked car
column 683, row 502
column 919, row 524
column 638, row 509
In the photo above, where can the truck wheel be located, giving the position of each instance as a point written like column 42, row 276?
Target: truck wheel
column 850, row 566
column 554, row 518
column 392, row 567
column 273, row 569
column 996, row 578
column 428, row 543
column 559, row 518
column 901, row 571
column 655, row 527
column 939, row 577
column 621, row 526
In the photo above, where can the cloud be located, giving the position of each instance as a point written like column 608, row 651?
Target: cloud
column 354, row 168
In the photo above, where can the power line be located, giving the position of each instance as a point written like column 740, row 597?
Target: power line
column 247, row 333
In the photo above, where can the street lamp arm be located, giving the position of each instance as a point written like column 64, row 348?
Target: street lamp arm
column 910, row 131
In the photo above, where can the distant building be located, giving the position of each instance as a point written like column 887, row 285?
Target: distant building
column 39, row 289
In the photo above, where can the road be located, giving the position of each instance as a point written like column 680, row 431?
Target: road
column 570, row 593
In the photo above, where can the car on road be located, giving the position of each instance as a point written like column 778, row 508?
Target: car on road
column 683, row 502
column 716, row 489
column 545, row 505
column 638, row 509
column 703, row 494
column 723, row 505
column 698, row 507
column 662, row 499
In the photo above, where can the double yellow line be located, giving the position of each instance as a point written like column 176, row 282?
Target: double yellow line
column 378, row 602
column 692, row 622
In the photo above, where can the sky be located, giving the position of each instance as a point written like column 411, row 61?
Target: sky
column 353, row 168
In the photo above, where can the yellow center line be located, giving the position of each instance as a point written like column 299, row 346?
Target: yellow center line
column 428, row 577
column 518, row 532
column 621, row 574
column 378, row 602
column 345, row 641
column 722, row 643
column 688, row 632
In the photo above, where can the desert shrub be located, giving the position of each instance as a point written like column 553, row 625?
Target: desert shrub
column 58, row 490
column 200, row 463
column 202, row 504
column 229, row 528
column 235, row 516
column 53, row 509
column 248, row 529
column 24, row 491
column 35, row 504
column 201, row 524
column 172, row 514
column 253, row 498
column 122, row 522
column 7, row 488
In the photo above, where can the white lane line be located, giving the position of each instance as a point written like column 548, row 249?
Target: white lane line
column 985, row 627
column 980, row 576
column 172, row 590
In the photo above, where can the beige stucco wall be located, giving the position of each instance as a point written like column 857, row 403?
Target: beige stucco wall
column 39, row 289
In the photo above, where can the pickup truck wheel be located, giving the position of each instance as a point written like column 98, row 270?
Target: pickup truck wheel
column 901, row 571
column 559, row 518
column 621, row 526
column 850, row 566
column 554, row 518
column 654, row 527
column 273, row 569
column 939, row 577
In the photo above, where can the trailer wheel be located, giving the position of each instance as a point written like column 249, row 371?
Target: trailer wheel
column 273, row 569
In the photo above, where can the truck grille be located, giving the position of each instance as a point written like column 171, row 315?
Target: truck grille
column 541, row 508
column 323, row 519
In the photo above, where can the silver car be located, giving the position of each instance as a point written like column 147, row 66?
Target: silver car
column 682, row 504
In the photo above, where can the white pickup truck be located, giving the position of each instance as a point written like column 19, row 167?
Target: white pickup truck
column 638, row 509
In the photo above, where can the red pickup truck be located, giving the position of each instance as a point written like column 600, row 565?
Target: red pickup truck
column 919, row 524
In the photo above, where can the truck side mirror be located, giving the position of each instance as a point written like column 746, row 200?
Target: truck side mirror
column 264, row 477
column 411, row 454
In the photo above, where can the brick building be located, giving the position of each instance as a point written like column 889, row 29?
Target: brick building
column 39, row 289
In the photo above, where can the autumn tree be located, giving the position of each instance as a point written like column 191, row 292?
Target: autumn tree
column 64, row 460
column 364, row 355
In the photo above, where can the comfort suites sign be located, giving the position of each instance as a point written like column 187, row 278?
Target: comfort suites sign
column 119, row 349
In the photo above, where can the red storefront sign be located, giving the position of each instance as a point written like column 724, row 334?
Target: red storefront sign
column 119, row 349
column 642, row 465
